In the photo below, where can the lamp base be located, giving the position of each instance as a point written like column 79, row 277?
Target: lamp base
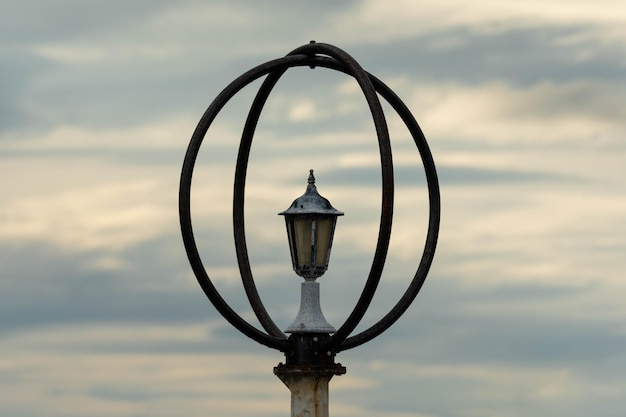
column 310, row 318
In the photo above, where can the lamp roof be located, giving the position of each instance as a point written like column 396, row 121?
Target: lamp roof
column 311, row 202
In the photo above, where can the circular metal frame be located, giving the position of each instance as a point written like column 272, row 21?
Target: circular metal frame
column 327, row 56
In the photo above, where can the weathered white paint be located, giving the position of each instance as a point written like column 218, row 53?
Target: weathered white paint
column 310, row 318
column 309, row 391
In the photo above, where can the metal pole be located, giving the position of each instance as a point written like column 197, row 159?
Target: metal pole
column 310, row 365
column 308, row 387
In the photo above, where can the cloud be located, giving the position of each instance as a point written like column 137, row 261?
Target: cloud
column 521, row 105
column 165, row 135
column 375, row 23
column 111, row 217
column 76, row 369
column 543, row 115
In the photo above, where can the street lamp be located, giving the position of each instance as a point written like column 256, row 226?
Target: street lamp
column 313, row 343
column 310, row 222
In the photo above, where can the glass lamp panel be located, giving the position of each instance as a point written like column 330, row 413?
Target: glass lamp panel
column 290, row 237
column 302, row 230
column 325, row 227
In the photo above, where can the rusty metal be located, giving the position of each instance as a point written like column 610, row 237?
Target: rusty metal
column 308, row 369
column 310, row 356
column 334, row 58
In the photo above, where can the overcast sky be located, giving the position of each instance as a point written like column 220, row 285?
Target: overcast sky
column 522, row 103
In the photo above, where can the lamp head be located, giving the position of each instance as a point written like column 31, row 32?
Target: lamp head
column 310, row 222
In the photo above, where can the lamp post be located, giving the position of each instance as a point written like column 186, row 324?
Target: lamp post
column 313, row 343
column 310, row 222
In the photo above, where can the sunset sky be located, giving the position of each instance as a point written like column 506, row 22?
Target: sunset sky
column 523, row 105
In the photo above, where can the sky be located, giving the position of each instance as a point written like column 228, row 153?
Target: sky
column 522, row 104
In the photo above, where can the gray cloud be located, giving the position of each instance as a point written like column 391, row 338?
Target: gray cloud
column 35, row 21
column 521, row 57
column 520, row 316
column 448, row 175
column 20, row 70
column 131, row 90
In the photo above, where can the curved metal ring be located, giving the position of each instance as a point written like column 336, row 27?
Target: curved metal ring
column 349, row 66
column 433, row 188
column 275, row 69
column 184, row 201
column 434, row 218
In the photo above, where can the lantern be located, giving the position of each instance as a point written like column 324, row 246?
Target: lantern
column 310, row 225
